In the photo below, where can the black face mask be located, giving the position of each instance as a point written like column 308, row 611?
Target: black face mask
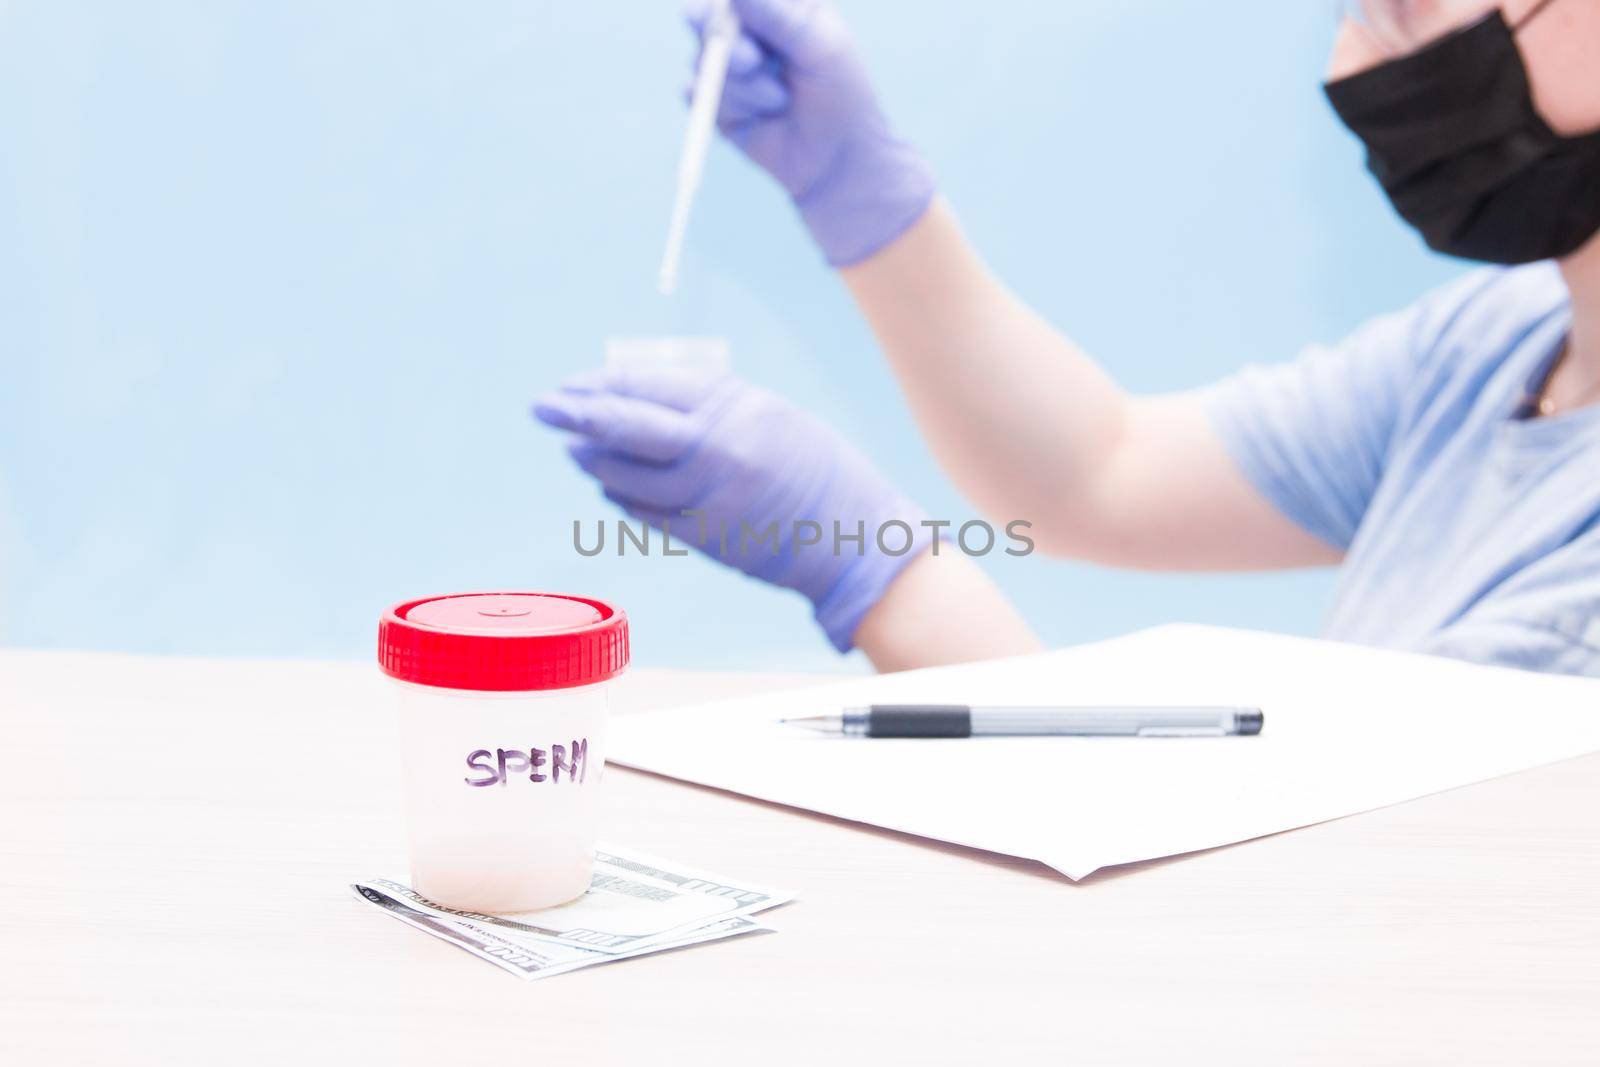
column 1453, row 136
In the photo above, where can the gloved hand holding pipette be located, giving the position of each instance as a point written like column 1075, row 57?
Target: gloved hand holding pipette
column 664, row 441
column 799, row 103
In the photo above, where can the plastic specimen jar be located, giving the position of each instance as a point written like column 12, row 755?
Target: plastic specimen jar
column 703, row 355
column 502, row 702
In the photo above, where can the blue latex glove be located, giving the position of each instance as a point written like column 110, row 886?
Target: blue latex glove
column 664, row 441
column 798, row 102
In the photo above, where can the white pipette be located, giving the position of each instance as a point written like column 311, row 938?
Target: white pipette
column 722, row 29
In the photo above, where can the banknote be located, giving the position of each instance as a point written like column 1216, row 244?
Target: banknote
column 528, row 957
column 636, row 903
column 634, row 900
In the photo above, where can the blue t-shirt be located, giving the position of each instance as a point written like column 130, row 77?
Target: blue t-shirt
column 1469, row 529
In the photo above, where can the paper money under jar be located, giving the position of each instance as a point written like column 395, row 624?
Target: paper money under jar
column 636, row 904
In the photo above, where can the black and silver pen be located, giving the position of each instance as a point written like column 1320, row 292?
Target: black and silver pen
column 960, row 720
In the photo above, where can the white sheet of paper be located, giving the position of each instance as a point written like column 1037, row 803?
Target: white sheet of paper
column 1348, row 729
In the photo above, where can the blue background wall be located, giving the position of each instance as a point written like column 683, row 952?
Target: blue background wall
column 277, row 281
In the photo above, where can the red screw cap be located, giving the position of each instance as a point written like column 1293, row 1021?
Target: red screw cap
column 503, row 642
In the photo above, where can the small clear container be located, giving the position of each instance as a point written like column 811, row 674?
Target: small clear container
column 502, row 702
column 707, row 355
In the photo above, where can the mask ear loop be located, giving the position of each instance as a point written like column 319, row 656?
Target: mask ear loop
column 1540, row 400
column 1533, row 13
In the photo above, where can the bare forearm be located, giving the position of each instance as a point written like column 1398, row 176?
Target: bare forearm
column 1031, row 429
column 1019, row 418
column 942, row 609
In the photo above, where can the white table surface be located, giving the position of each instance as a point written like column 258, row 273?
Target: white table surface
column 177, row 835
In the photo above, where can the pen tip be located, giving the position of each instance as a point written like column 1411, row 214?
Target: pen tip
column 820, row 723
